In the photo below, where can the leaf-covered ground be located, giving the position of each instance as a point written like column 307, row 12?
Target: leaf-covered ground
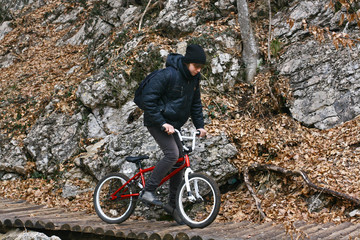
column 329, row 157
column 40, row 65
column 254, row 117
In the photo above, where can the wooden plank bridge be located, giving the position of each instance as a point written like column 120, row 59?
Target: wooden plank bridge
column 79, row 225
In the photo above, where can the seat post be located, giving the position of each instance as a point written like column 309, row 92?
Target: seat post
column 139, row 165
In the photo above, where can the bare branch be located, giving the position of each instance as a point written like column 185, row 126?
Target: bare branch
column 142, row 17
column 252, row 192
column 305, row 177
column 270, row 28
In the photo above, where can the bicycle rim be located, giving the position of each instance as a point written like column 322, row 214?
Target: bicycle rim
column 118, row 210
column 202, row 211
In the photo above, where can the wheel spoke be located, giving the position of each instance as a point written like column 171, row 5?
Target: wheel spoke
column 203, row 211
column 109, row 209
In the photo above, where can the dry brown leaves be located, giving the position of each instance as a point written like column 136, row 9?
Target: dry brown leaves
column 248, row 114
column 330, row 157
column 48, row 193
column 27, row 86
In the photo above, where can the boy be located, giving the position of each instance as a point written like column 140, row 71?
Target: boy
column 169, row 100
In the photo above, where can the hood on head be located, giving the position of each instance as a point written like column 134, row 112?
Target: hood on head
column 176, row 60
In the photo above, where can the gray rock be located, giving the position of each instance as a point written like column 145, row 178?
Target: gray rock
column 354, row 213
column 5, row 28
column 70, row 191
column 53, row 140
column 7, row 60
column 104, row 90
column 324, row 80
column 178, row 16
column 18, row 234
column 10, row 176
column 317, row 202
column 15, row 5
column 108, row 155
column 129, row 14
column 97, row 29
column 133, row 139
column 12, row 157
column 225, row 69
column 226, row 6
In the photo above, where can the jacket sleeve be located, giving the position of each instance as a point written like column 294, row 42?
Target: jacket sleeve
column 196, row 109
column 152, row 94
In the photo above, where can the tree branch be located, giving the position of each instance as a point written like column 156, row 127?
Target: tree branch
column 270, row 28
column 252, row 192
column 286, row 172
column 142, row 17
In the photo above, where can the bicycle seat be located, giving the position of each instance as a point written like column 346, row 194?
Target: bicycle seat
column 136, row 159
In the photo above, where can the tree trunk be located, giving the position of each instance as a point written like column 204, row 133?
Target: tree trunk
column 250, row 48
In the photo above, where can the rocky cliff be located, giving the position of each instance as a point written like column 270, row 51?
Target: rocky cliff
column 69, row 70
column 324, row 79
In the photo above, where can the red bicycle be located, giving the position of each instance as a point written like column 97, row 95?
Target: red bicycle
column 197, row 198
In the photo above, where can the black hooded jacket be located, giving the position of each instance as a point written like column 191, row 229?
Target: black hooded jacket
column 173, row 100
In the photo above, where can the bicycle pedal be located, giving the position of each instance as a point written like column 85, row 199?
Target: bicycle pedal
column 149, row 204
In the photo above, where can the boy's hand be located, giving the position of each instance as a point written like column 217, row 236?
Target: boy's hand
column 169, row 129
column 202, row 132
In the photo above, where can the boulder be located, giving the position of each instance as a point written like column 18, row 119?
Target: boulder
column 103, row 89
column 53, row 140
column 12, row 157
column 18, row 234
column 5, row 28
column 108, row 155
column 324, row 79
column 183, row 16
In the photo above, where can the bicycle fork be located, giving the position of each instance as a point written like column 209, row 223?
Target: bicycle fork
column 191, row 197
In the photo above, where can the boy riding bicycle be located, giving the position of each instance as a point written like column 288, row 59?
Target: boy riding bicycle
column 169, row 100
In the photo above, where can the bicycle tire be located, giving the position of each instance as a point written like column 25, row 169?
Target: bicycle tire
column 204, row 210
column 118, row 210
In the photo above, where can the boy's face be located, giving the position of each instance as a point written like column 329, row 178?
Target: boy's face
column 195, row 68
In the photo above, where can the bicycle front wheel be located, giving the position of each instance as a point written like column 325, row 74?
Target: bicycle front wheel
column 199, row 207
column 119, row 209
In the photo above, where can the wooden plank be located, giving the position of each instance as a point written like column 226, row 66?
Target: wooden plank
column 353, row 235
column 155, row 236
column 166, row 228
column 343, row 232
column 269, row 233
column 251, row 231
column 88, row 229
column 14, row 205
column 64, row 218
column 22, row 214
column 19, row 223
column 217, row 230
column 8, row 223
column 306, row 229
column 317, row 228
column 32, row 213
column 328, row 231
column 10, row 201
column 20, row 209
column 29, row 224
column 230, row 230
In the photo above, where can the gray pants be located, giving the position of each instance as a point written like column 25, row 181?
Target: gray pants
column 172, row 149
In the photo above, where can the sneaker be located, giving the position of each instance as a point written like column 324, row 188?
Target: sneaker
column 174, row 213
column 149, row 197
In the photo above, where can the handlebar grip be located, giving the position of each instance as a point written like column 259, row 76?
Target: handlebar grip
column 163, row 128
column 198, row 133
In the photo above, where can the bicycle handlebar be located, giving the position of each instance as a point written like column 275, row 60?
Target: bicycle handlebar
column 182, row 138
column 192, row 138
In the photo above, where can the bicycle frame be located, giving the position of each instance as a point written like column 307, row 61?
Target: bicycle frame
column 141, row 172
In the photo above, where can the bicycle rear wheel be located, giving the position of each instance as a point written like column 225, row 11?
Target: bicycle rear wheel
column 120, row 209
column 202, row 207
